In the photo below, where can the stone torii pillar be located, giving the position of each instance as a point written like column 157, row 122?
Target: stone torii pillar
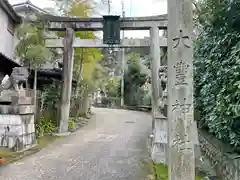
column 159, row 141
column 68, row 58
column 180, row 90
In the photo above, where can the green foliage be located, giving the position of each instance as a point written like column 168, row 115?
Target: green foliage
column 112, row 86
column 106, row 102
column 87, row 70
column 45, row 126
column 86, row 60
column 71, row 123
column 147, row 98
column 134, row 79
column 48, row 102
column 31, row 47
column 134, row 72
column 64, row 7
column 99, row 75
column 217, row 72
column 52, row 94
column 147, row 62
column 161, row 172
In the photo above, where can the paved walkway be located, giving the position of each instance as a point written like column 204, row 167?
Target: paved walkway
column 109, row 148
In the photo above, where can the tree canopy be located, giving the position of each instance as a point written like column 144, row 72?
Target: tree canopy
column 31, row 47
column 134, row 79
column 85, row 59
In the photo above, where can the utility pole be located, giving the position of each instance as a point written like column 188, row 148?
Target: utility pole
column 109, row 7
column 108, row 2
column 123, row 59
column 180, row 90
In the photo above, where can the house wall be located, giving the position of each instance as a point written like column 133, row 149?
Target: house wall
column 6, row 37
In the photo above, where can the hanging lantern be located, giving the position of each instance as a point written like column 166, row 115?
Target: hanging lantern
column 111, row 30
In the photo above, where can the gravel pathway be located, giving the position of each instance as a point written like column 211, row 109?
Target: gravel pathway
column 109, row 148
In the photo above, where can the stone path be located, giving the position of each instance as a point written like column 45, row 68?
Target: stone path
column 110, row 147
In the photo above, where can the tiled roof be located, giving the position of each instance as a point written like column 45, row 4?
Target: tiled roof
column 21, row 3
column 4, row 4
column 4, row 59
column 29, row 5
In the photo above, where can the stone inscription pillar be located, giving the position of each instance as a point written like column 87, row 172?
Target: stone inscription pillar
column 180, row 90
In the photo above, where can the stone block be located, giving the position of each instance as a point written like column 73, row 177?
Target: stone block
column 158, row 154
column 17, row 109
column 16, row 130
column 18, row 137
column 6, row 119
column 25, row 109
column 22, row 100
column 27, row 118
column 5, row 109
column 26, row 93
column 6, row 95
column 22, row 93
column 16, row 124
column 62, row 134
column 30, row 128
column 29, row 139
column 16, row 143
column 16, row 119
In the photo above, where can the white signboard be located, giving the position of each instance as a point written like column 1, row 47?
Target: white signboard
column 161, row 137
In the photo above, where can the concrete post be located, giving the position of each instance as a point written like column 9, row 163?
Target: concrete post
column 180, row 90
column 123, row 60
column 159, row 144
column 68, row 58
column 122, row 76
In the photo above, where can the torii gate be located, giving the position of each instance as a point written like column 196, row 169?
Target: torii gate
column 152, row 23
column 161, row 129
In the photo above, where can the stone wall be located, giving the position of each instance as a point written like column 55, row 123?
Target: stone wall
column 221, row 156
column 17, row 124
column 17, row 131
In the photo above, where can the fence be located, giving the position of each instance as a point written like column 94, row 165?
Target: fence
column 109, row 102
column 221, row 156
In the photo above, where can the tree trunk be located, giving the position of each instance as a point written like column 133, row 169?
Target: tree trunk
column 83, row 105
column 79, row 74
column 77, row 90
column 35, row 96
column 35, row 88
column 90, row 103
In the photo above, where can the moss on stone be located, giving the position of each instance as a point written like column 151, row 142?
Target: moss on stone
column 161, row 172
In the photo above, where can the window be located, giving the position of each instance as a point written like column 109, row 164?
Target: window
column 10, row 26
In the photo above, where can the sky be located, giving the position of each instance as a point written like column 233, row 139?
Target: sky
column 132, row 8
